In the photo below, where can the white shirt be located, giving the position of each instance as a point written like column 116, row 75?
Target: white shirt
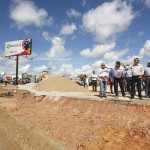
column 137, row 70
column 102, row 73
column 128, row 73
column 147, row 71
column 94, row 77
column 87, row 81
column 118, row 72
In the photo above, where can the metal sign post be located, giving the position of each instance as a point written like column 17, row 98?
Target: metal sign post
column 17, row 60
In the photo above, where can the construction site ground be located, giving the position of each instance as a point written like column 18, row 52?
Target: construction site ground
column 72, row 121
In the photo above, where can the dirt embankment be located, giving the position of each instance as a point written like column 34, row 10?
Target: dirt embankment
column 80, row 124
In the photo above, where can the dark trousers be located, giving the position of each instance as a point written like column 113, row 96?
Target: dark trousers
column 94, row 85
column 111, row 86
column 147, row 87
column 121, row 84
column 129, row 83
column 134, row 81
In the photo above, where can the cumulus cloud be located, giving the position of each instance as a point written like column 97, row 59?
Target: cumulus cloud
column 73, row 13
column 114, row 55
column 86, row 69
column 57, row 49
column 40, row 69
column 108, row 20
column 66, row 68
column 97, row 64
column 147, row 3
column 24, row 69
column 46, row 36
column 145, row 51
column 68, row 29
column 25, row 13
column 97, row 50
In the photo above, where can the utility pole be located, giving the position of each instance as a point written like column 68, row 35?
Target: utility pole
column 17, row 60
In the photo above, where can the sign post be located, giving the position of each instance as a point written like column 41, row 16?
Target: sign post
column 17, row 62
column 18, row 48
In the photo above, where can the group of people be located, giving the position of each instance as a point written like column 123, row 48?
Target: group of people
column 129, row 76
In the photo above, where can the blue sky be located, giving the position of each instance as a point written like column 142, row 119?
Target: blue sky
column 73, row 37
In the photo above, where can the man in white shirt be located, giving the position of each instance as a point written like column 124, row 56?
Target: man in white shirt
column 94, row 81
column 137, row 73
column 147, row 80
column 103, row 75
column 119, row 75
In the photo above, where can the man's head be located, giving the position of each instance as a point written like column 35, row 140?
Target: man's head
column 148, row 64
column 93, row 72
column 136, row 61
column 118, row 63
column 102, row 65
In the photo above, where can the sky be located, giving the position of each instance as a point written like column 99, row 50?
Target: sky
column 73, row 37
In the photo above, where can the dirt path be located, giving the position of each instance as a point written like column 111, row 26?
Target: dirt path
column 39, row 123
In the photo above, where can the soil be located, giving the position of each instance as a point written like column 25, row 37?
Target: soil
column 58, row 83
column 39, row 122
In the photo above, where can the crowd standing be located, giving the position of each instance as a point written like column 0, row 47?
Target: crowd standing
column 130, row 78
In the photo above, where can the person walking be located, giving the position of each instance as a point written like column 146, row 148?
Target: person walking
column 128, row 75
column 85, row 81
column 147, row 80
column 119, row 74
column 103, row 75
column 94, row 81
column 137, row 73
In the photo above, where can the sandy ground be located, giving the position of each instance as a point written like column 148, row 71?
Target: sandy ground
column 80, row 122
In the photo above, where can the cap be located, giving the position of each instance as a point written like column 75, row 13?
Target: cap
column 102, row 64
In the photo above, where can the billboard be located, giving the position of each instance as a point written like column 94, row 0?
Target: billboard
column 20, row 47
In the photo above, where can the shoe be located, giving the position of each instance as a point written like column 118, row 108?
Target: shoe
column 140, row 98
column 131, row 97
column 124, row 96
column 105, row 96
column 116, row 96
column 101, row 96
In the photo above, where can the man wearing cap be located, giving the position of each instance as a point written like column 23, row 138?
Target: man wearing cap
column 103, row 75
column 147, row 80
column 119, row 74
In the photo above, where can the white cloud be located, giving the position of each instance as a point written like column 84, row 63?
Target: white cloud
column 97, row 64
column 97, row 50
column 68, row 29
column 58, row 48
column 46, row 36
column 130, row 59
column 108, row 20
column 86, row 69
column 73, row 13
column 66, row 68
column 25, row 13
column 141, row 33
column 114, row 55
column 24, row 69
column 145, row 51
column 40, row 69
column 147, row 3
